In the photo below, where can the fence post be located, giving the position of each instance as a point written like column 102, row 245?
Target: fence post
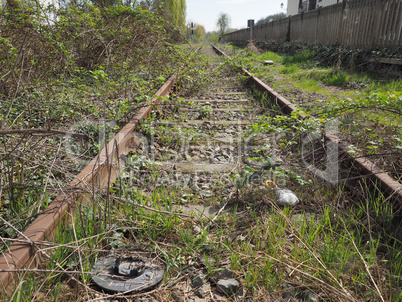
column 316, row 25
column 376, row 39
column 392, row 22
column 342, row 23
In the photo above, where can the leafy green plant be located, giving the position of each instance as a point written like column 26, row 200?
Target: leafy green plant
column 336, row 79
column 299, row 58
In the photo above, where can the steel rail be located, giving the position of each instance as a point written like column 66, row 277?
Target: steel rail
column 102, row 170
column 367, row 169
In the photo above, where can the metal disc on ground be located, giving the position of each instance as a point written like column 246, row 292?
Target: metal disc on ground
column 128, row 272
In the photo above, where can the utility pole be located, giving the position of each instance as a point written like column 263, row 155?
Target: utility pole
column 192, row 32
column 250, row 24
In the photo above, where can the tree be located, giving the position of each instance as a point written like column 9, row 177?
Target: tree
column 174, row 11
column 223, row 23
column 199, row 32
column 271, row 17
column 212, row 36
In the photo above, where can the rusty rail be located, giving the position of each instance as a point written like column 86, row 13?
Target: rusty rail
column 380, row 179
column 101, row 171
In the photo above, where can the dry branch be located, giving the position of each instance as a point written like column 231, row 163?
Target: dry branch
column 43, row 132
column 122, row 200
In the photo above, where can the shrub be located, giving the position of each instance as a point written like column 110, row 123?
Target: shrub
column 84, row 37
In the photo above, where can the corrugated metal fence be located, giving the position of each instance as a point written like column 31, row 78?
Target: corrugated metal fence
column 371, row 23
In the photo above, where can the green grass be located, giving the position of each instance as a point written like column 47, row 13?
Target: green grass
column 264, row 56
column 322, row 249
column 383, row 86
column 302, row 65
column 270, row 56
column 363, row 98
column 301, row 58
column 289, row 69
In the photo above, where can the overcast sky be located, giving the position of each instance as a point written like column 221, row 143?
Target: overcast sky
column 206, row 12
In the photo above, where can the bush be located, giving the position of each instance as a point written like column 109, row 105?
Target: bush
column 84, row 37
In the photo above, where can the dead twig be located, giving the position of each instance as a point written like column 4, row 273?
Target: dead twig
column 122, row 200
column 10, row 73
column 224, row 205
column 43, row 132
column 43, row 253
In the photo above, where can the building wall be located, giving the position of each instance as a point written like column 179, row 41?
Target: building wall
column 321, row 3
column 293, row 7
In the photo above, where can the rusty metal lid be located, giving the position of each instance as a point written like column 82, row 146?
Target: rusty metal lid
column 128, row 272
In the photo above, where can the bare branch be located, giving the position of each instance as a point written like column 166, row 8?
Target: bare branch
column 15, row 64
column 43, row 132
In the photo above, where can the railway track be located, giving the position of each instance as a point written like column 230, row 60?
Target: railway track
column 381, row 181
column 99, row 174
column 200, row 144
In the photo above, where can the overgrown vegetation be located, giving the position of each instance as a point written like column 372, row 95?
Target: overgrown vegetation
column 273, row 252
column 67, row 86
column 333, row 247
column 271, row 18
column 362, row 60
column 223, row 23
column 367, row 108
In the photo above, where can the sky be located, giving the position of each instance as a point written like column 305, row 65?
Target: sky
column 206, row 12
